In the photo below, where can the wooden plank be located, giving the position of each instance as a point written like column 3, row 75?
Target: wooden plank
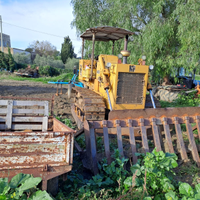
column 198, row 125
column 3, row 102
column 192, row 145
column 132, row 141
column 93, row 151
column 28, row 111
column 144, row 135
column 3, row 110
column 2, row 126
column 26, row 126
column 2, row 119
column 106, row 141
column 156, row 135
column 9, row 114
column 45, row 123
column 27, row 119
column 46, row 108
column 180, row 141
column 168, row 135
column 119, row 138
column 29, row 103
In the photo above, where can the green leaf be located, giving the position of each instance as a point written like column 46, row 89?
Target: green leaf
column 197, row 196
column 197, row 188
column 3, row 197
column 40, row 195
column 147, row 198
column 186, row 189
column 18, row 179
column 168, row 186
column 3, row 185
column 171, row 196
column 28, row 184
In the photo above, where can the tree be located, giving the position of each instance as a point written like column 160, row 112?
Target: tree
column 42, row 48
column 166, row 31
column 67, row 50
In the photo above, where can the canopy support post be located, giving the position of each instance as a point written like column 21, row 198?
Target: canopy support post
column 92, row 61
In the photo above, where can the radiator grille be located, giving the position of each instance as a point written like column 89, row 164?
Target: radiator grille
column 130, row 88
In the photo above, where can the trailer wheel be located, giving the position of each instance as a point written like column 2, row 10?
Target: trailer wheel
column 166, row 95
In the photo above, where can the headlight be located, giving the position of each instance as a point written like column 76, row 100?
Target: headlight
column 151, row 67
column 119, row 56
column 143, row 57
column 108, row 64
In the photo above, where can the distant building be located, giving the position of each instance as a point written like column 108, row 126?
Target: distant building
column 6, row 40
column 14, row 51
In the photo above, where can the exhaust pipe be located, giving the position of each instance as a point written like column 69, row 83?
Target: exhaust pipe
column 124, row 52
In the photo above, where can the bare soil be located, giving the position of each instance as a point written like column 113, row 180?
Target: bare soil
column 30, row 89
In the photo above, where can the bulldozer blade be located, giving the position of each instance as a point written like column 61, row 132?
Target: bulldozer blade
column 127, row 123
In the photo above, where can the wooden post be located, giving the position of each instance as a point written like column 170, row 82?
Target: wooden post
column 69, row 90
column 9, row 114
column 92, row 61
column 82, row 48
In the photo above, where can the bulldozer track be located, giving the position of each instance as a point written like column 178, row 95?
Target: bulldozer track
column 88, row 104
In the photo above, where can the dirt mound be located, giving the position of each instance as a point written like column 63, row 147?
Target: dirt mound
column 30, row 89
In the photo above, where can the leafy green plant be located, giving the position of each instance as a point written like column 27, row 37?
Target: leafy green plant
column 183, row 101
column 22, row 186
column 66, row 121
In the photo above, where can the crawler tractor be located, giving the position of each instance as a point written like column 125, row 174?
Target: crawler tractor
column 113, row 100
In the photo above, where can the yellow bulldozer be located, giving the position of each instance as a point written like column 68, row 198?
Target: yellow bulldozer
column 112, row 102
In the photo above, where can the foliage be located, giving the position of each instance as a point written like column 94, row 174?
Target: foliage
column 166, row 31
column 67, row 50
column 45, row 80
column 12, row 64
column 48, row 60
column 66, row 121
column 183, row 100
column 22, row 58
column 48, row 71
column 22, row 186
column 6, row 61
column 151, row 178
column 71, row 62
column 43, row 48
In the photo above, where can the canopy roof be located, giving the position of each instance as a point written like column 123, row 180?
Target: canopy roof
column 105, row 33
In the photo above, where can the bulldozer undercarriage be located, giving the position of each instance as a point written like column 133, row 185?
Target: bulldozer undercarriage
column 163, row 125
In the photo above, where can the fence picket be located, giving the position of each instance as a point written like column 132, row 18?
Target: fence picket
column 132, row 141
column 167, row 135
column 119, row 137
column 144, row 135
column 106, row 141
column 192, row 145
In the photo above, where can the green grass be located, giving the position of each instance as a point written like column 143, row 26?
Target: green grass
column 64, row 77
column 197, row 77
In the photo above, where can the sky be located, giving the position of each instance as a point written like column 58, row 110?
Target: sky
column 49, row 16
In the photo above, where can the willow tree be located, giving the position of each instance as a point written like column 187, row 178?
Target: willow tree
column 166, row 31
